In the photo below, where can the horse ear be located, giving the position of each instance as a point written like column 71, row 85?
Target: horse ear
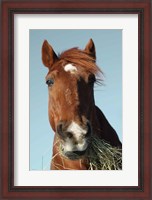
column 48, row 55
column 90, row 48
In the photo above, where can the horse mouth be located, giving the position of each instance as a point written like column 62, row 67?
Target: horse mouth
column 74, row 155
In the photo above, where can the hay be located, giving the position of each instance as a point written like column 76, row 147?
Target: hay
column 102, row 156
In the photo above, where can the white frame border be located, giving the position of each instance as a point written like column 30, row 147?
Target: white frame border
column 126, row 177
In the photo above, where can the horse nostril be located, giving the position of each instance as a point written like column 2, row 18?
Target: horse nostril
column 69, row 134
column 60, row 128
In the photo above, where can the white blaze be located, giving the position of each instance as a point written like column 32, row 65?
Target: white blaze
column 70, row 68
column 76, row 130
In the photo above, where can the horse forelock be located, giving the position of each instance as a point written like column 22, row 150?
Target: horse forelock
column 80, row 59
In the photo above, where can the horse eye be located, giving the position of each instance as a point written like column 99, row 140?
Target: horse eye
column 50, row 82
column 91, row 79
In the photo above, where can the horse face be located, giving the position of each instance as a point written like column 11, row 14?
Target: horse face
column 71, row 100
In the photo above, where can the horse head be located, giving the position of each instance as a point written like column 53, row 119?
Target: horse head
column 70, row 81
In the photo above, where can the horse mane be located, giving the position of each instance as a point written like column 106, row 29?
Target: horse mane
column 80, row 58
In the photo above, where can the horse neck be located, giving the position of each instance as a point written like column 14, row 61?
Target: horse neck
column 102, row 128
column 59, row 162
column 95, row 122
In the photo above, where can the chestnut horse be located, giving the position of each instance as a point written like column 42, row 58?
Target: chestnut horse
column 73, row 115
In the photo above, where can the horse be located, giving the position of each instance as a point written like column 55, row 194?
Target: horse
column 73, row 115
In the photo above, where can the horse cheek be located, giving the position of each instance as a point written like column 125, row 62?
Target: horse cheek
column 51, row 117
column 52, row 123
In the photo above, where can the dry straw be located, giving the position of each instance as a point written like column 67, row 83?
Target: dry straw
column 103, row 156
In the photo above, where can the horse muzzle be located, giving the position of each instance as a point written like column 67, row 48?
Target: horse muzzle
column 75, row 139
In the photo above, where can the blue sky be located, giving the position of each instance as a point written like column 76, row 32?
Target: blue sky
column 107, row 97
